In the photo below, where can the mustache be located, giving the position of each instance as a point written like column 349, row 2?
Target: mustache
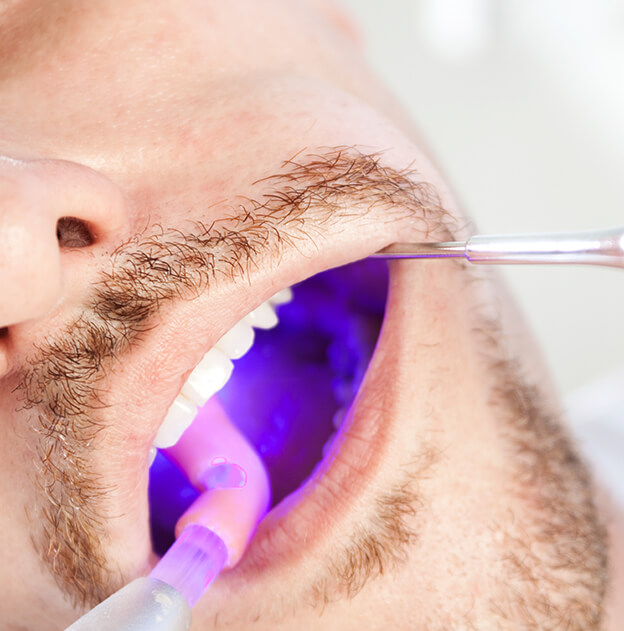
column 62, row 388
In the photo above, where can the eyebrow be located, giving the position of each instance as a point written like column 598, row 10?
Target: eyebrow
column 63, row 384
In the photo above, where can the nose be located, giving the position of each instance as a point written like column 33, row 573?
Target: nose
column 46, row 207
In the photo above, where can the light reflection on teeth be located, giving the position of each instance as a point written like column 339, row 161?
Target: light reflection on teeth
column 282, row 297
column 214, row 371
column 208, row 377
column 179, row 417
column 237, row 341
column 262, row 317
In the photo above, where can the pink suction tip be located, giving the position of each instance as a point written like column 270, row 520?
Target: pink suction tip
column 216, row 529
column 219, row 460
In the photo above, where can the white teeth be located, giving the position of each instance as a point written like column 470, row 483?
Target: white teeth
column 262, row 317
column 208, row 377
column 237, row 341
column 179, row 417
column 214, row 370
column 151, row 456
column 282, row 296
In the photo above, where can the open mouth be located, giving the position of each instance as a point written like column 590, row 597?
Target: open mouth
column 298, row 364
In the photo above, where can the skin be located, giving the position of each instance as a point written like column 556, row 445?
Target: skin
column 36, row 193
column 461, row 503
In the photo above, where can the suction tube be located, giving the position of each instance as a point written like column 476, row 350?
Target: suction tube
column 163, row 600
column 192, row 563
column 146, row 604
column 213, row 533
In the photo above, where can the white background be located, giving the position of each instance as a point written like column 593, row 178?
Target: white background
column 522, row 103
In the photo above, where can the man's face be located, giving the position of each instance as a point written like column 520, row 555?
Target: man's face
column 241, row 148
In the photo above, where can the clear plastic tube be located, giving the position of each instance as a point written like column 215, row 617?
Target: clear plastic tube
column 192, row 563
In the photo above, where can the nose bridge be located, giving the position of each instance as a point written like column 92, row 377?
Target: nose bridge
column 34, row 195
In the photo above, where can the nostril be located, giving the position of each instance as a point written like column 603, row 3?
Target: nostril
column 72, row 232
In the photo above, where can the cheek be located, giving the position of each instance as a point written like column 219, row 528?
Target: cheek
column 20, row 568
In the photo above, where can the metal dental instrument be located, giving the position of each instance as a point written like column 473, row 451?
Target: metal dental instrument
column 596, row 247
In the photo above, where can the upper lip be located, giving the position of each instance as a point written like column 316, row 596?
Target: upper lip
column 178, row 357
column 169, row 351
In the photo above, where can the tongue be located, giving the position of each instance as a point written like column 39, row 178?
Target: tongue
column 219, row 461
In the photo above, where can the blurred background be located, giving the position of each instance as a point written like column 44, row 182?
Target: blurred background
column 522, row 104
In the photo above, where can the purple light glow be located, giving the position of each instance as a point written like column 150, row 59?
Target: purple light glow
column 170, row 494
column 283, row 394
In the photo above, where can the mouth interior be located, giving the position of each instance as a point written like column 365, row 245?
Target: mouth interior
column 289, row 393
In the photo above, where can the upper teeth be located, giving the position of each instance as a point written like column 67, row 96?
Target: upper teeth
column 214, row 370
column 208, row 377
column 237, row 341
column 282, row 296
column 262, row 317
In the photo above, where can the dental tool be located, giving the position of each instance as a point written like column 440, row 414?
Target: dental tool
column 163, row 600
column 216, row 529
column 597, row 247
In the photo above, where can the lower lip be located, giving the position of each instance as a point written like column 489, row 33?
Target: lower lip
column 294, row 523
column 305, row 517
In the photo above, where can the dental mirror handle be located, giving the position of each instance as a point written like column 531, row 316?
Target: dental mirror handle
column 597, row 247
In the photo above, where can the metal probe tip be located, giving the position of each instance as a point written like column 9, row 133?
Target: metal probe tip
column 440, row 250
